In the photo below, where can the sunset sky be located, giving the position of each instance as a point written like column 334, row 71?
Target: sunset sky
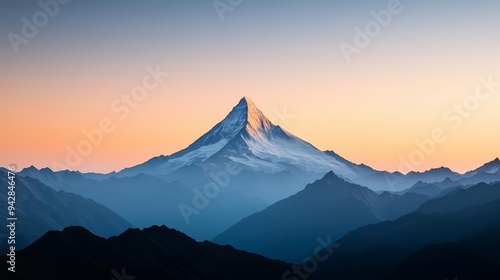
column 285, row 56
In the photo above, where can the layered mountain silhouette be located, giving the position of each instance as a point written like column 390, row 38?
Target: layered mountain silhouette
column 433, row 189
column 382, row 248
column 153, row 253
column 40, row 208
column 147, row 200
column 328, row 208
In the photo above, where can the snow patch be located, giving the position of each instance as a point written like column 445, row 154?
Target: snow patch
column 200, row 154
column 294, row 151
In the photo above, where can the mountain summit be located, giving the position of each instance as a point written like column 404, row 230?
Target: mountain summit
column 256, row 121
column 247, row 137
column 244, row 116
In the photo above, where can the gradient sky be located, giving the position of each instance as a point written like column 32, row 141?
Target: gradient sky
column 284, row 55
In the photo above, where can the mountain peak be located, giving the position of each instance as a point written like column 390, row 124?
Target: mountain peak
column 30, row 168
column 247, row 101
column 256, row 121
column 329, row 179
column 244, row 116
column 442, row 168
column 331, row 175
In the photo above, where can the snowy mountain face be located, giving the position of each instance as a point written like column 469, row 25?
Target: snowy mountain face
column 247, row 137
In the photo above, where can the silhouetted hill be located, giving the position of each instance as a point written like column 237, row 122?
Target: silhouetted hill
column 153, row 253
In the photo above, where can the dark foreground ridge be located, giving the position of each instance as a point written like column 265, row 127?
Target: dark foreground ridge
column 153, row 253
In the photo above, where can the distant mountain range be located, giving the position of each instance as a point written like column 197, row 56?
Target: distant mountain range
column 40, row 208
column 454, row 236
column 433, row 189
column 328, row 208
column 152, row 253
column 385, row 250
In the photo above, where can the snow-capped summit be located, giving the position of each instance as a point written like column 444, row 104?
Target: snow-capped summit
column 245, row 115
column 257, row 123
column 246, row 136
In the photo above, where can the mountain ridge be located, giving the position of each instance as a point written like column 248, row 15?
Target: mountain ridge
column 157, row 252
column 40, row 208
